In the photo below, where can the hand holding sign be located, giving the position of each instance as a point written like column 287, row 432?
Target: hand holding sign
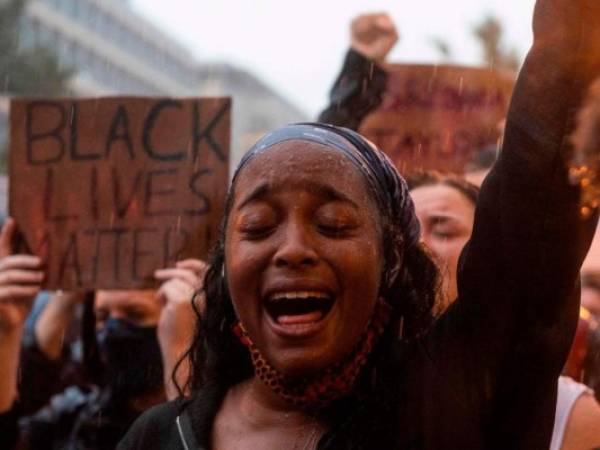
column 176, row 292
column 373, row 35
column 20, row 281
column 178, row 320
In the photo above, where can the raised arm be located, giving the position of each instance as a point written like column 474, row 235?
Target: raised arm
column 518, row 281
column 359, row 88
column 529, row 237
column 43, row 351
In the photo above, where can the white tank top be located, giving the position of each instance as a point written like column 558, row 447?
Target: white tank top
column 568, row 393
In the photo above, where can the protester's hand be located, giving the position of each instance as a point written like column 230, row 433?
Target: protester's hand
column 373, row 35
column 178, row 320
column 20, row 281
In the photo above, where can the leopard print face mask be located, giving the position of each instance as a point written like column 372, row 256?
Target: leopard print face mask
column 330, row 384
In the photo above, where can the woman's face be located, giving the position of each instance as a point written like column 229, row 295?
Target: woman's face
column 303, row 255
column 446, row 218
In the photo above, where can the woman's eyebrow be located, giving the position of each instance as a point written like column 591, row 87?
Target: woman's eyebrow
column 440, row 218
column 318, row 189
column 444, row 218
column 256, row 194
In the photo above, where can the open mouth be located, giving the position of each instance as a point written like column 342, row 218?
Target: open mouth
column 298, row 307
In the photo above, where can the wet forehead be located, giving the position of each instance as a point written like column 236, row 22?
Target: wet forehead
column 300, row 164
column 296, row 155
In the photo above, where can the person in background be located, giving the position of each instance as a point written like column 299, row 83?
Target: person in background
column 136, row 338
column 590, row 293
column 360, row 86
column 577, row 419
column 445, row 207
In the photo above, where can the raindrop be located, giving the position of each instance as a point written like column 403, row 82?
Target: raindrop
column 401, row 328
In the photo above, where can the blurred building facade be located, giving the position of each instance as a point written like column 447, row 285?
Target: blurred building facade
column 114, row 51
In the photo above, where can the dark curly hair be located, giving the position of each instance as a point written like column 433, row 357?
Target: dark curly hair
column 219, row 361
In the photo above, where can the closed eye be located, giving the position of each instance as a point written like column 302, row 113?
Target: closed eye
column 256, row 221
column 257, row 232
column 336, row 226
column 340, row 230
column 336, row 219
column 443, row 235
column 444, row 227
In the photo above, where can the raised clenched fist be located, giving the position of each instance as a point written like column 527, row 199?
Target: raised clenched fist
column 373, row 35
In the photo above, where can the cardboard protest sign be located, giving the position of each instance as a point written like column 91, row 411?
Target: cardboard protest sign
column 108, row 190
column 435, row 117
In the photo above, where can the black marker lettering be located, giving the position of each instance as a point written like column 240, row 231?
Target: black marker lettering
column 153, row 115
column 75, row 154
column 53, row 134
column 119, row 131
column 200, row 134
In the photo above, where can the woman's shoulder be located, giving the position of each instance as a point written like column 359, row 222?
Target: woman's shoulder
column 163, row 413
column 156, row 428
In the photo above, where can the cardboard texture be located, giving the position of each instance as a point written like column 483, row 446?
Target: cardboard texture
column 436, row 117
column 107, row 190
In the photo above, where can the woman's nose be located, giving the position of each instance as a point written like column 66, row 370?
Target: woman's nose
column 296, row 248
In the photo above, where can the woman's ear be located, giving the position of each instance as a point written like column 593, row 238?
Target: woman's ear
column 394, row 256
